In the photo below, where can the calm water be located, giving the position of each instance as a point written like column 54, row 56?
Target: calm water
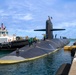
column 43, row 66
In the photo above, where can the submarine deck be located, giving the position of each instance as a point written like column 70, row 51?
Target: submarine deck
column 36, row 50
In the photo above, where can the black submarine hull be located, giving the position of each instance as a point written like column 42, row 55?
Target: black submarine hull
column 35, row 51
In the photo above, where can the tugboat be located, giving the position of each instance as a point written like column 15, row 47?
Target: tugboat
column 9, row 42
column 4, row 37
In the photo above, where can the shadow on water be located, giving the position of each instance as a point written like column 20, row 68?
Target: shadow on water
column 4, row 53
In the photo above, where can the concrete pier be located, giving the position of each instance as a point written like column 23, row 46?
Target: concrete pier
column 73, row 66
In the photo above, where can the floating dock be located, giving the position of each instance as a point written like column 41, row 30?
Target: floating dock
column 35, row 51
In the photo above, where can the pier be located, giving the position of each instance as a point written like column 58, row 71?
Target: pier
column 73, row 66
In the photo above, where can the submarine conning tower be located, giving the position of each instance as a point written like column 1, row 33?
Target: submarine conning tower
column 49, row 26
column 49, row 29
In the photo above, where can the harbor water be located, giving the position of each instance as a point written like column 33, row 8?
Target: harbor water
column 44, row 66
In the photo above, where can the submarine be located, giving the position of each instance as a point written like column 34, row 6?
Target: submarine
column 39, row 49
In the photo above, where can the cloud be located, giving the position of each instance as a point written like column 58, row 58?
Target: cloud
column 15, row 16
column 20, row 5
column 33, row 14
column 25, row 17
column 2, row 13
column 17, row 10
column 66, row 24
column 27, row 31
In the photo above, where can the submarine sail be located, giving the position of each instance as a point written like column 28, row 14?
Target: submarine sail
column 49, row 29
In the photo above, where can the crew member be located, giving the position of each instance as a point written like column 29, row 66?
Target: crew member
column 17, row 52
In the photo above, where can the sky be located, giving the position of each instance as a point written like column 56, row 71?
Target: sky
column 22, row 17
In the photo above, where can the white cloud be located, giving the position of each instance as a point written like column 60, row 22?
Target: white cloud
column 35, row 13
column 25, row 17
column 20, row 5
column 2, row 13
column 67, row 24
column 27, row 31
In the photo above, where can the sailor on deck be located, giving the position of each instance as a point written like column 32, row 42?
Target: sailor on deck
column 30, row 41
column 17, row 52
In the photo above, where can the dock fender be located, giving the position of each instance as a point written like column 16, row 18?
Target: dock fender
column 73, row 52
